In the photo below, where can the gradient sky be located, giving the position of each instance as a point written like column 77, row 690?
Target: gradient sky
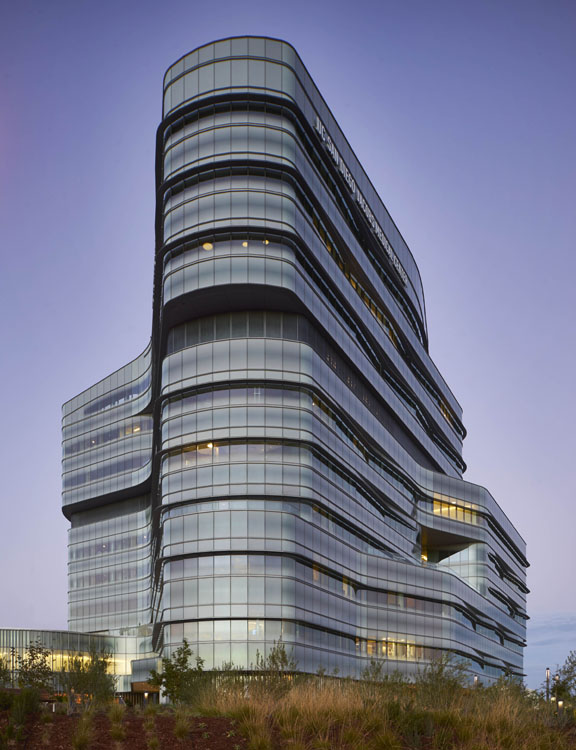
column 464, row 116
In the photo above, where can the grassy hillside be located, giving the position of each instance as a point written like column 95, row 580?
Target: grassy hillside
column 274, row 710
column 436, row 712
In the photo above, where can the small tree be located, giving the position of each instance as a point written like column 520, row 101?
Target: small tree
column 375, row 671
column 88, row 680
column 179, row 681
column 564, row 686
column 5, row 673
column 34, row 670
column 278, row 660
column 276, row 669
column 441, row 679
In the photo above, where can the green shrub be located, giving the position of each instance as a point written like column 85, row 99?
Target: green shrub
column 179, row 681
column 25, row 704
column 181, row 729
column 34, row 670
column 87, row 678
column 116, row 713
column 117, row 732
column 6, row 737
column 6, row 700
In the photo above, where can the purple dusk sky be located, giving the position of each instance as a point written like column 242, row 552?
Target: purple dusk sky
column 464, row 116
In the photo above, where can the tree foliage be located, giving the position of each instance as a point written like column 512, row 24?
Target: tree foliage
column 273, row 673
column 441, row 679
column 87, row 680
column 5, row 673
column 179, row 681
column 278, row 660
column 564, row 687
column 34, row 669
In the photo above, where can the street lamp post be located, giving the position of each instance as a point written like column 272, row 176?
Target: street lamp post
column 547, row 684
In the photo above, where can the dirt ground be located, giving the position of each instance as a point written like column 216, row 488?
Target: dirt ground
column 206, row 733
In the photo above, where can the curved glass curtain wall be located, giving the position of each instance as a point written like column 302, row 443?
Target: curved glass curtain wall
column 107, row 434
column 274, row 70
column 64, row 646
column 107, row 454
column 255, row 167
column 284, row 460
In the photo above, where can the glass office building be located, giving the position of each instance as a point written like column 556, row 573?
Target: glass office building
column 284, row 460
column 64, row 645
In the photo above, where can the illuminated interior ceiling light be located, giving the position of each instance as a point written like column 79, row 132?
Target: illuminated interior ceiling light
column 266, row 242
column 244, row 244
column 210, row 445
column 208, row 246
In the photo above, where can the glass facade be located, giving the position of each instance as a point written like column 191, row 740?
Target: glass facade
column 284, row 460
column 63, row 645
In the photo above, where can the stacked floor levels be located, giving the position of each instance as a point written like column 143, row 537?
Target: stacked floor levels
column 284, row 460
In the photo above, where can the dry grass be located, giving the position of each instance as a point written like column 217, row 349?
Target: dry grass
column 117, row 732
column 313, row 714
column 83, row 733
column 45, row 736
column 116, row 713
column 181, row 723
column 152, row 741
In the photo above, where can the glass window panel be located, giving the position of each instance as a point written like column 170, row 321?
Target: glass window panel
column 238, row 630
column 222, row 565
column 256, row 523
column 205, row 591
column 190, row 593
column 222, row 74
column 239, row 564
column 222, row 518
column 221, row 590
column 205, row 566
column 239, row 590
column 256, row 590
column 205, row 630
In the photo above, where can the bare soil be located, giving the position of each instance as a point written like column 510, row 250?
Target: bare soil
column 206, row 733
